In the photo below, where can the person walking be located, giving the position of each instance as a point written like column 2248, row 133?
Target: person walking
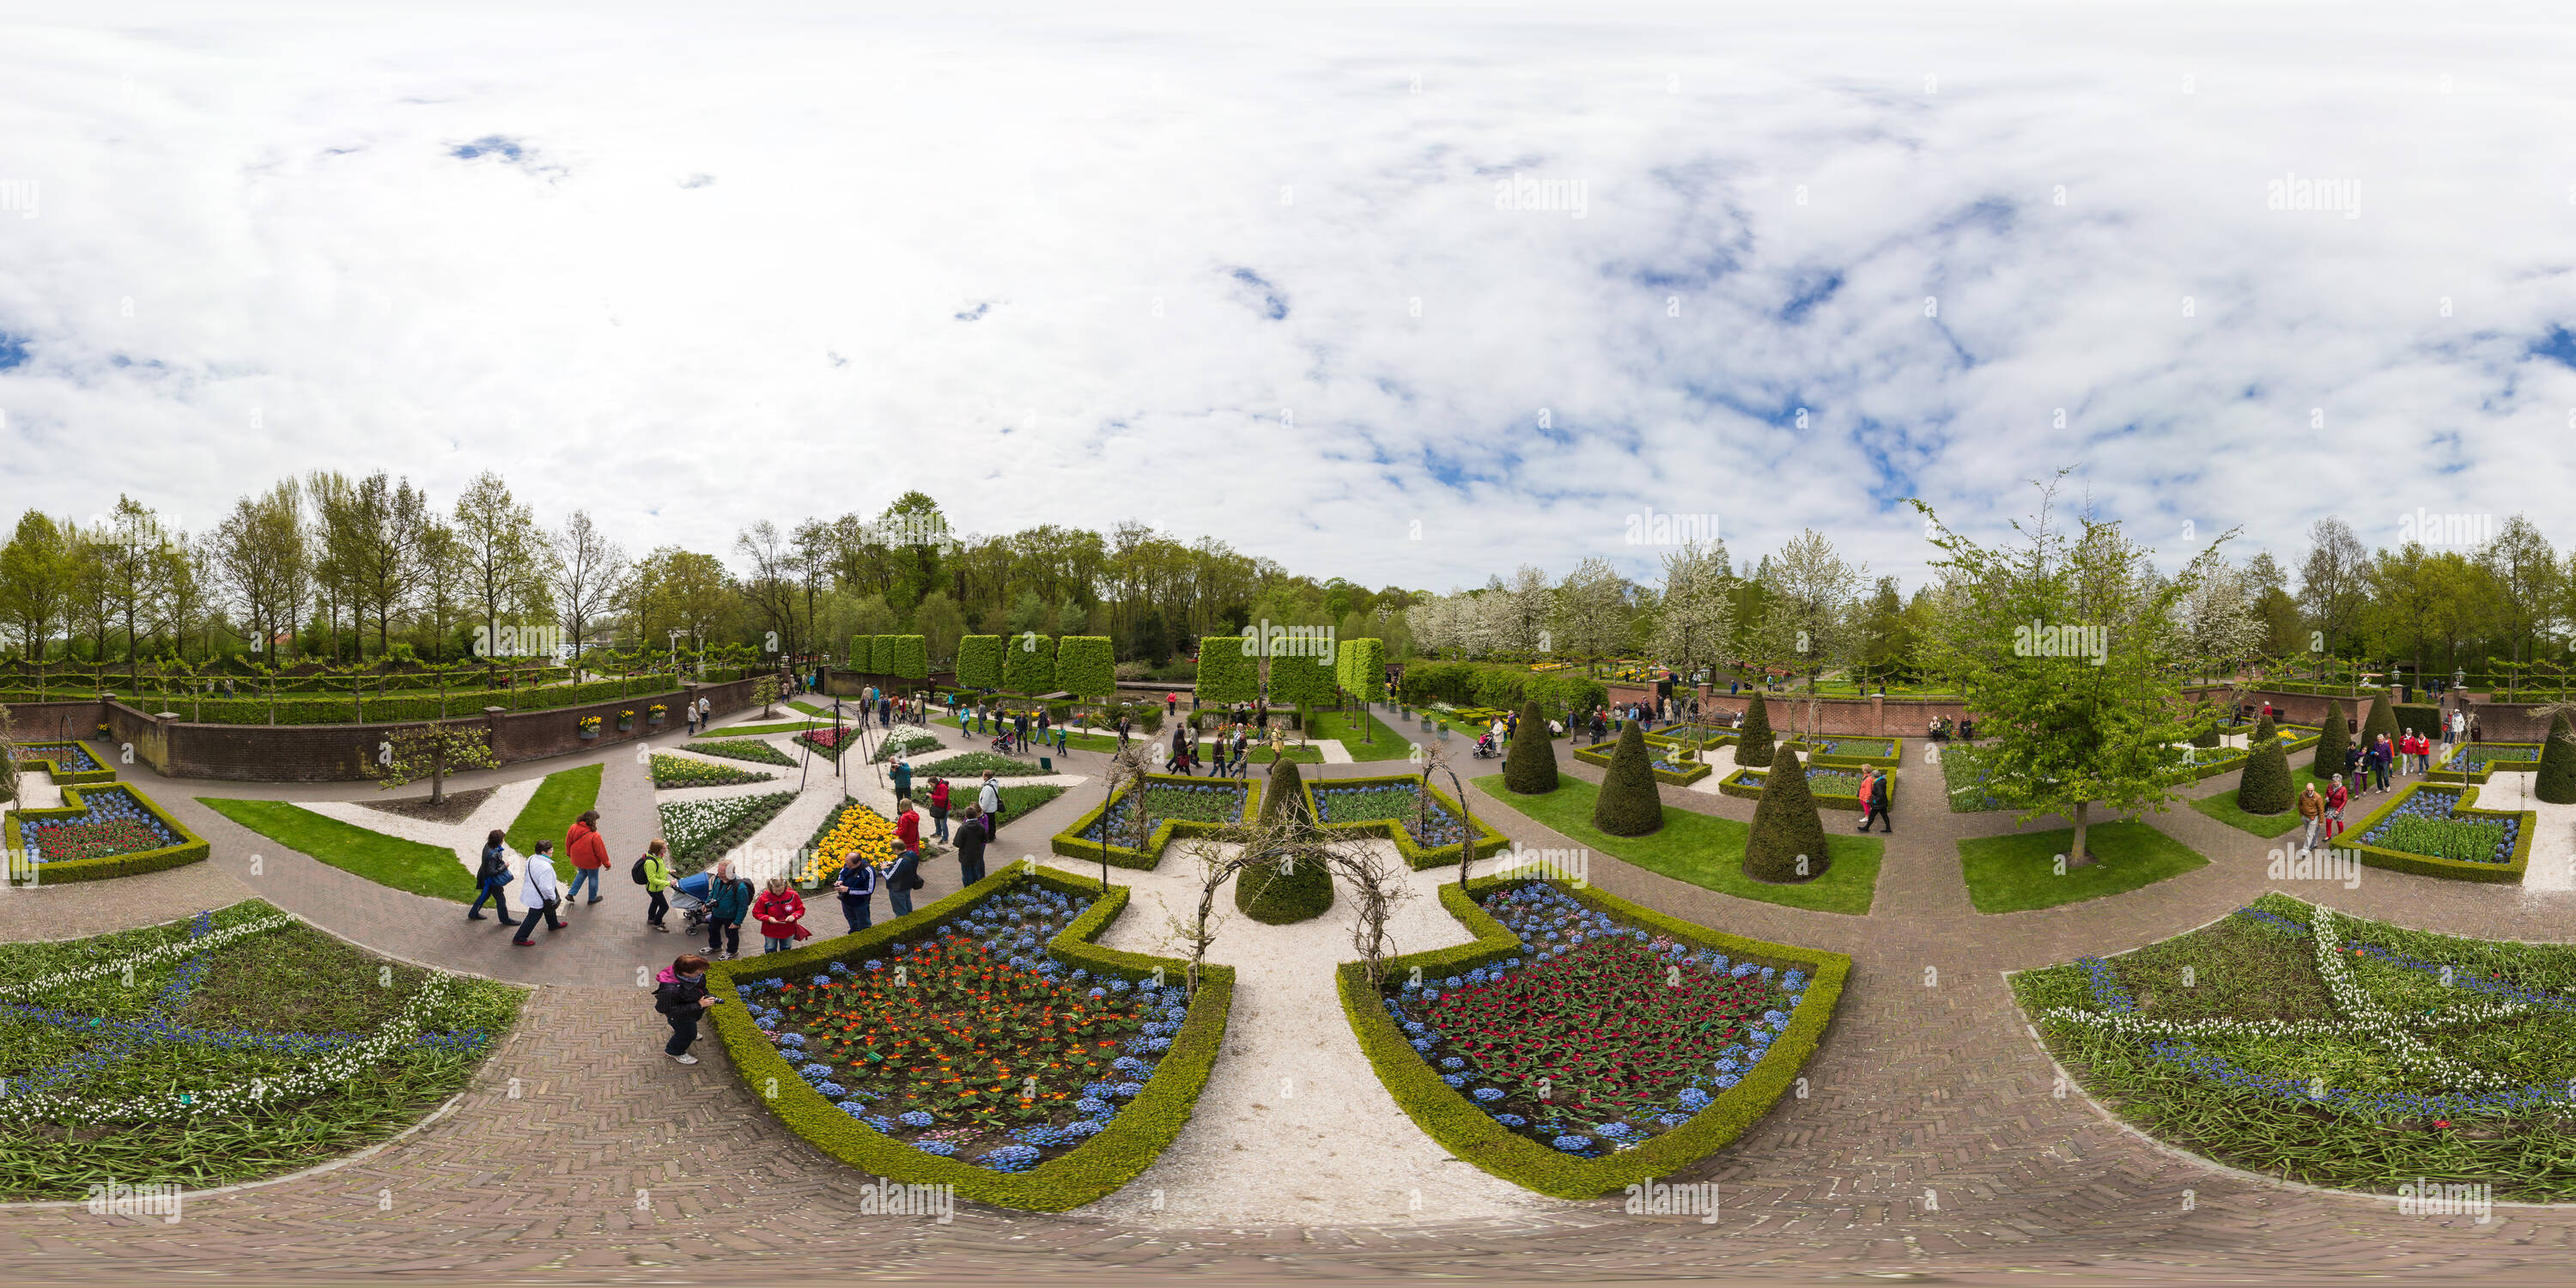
column 902, row 879
column 885, row 712
column 902, row 778
column 492, row 879
column 1122, row 730
column 2477, row 732
column 1180, row 752
column 972, row 836
column 680, row 994
column 2336, row 799
column 939, row 807
column 2352, row 766
column 781, row 914
column 728, row 902
column 655, row 870
column 1881, row 801
column 1063, row 737
column 988, row 798
column 2312, row 808
column 1046, row 726
column 589, row 853
column 2383, row 757
column 545, row 894
column 907, row 827
column 857, row 884
column 1020, row 731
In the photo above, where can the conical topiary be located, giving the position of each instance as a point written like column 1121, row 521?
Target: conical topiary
column 2556, row 781
column 2264, row 787
column 1265, row 892
column 1629, row 805
column 2208, row 737
column 1787, row 843
column 2381, row 720
column 1529, row 768
column 2331, row 747
column 1753, row 744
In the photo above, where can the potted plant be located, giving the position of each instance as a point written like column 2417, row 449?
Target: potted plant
column 590, row 726
column 656, row 714
column 625, row 721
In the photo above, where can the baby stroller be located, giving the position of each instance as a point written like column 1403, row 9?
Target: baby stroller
column 1003, row 742
column 1485, row 747
column 689, row 895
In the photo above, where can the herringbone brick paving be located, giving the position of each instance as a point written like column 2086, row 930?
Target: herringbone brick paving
column 1928, row 1144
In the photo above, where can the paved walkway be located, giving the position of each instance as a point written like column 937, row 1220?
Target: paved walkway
column 1929, row 1142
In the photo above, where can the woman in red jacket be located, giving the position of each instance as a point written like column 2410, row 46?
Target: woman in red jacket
column 589, row 854
column 939, row 807
column 2336, row 797
column 780, row 910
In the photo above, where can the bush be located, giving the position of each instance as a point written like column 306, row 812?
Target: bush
column 2419, row 717
column 862, row 653
column 1529, row 768
column 2332, row 745
column 881, row 651
column 911, row 660
column 1362, row 663
column 1629, row 804
column 979, row 662
column 2556, row 781
column 1028, row 663
column 1263, row 891
column 1753, row 745
column 2208, row 737
column 2265, row 787
column 1301, row 681
column 1787, row 831
column 1225, row 674
column 1086, row 666
column 2381, row 720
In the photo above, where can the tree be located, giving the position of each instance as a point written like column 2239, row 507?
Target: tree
column 941, row 623
column 1148, row 642
column 979, row 661
column 911, row 658
column 1696, row 619
column 2330, row 583
column 1753, row 744
column 2556, row 781
column 2332, row 742
column 383, row 531
column 432, row 751
column 36, row 570
column 2264, row 786
column 1591, row 617
column 1227, row 673
column 1629, row 804
column 1529, row 768
column 1812, row 621
column 261, row 564
column 503, row 553
column 9, row 779
column 2527, row 581
column 1086, row 666
column 2068, row 644
column 863, row 654
column 1787, row 840
column 125, row 549
column 1028, row 663
column 2220, row 628
column 1361, row 662
column 583, row 576
column 1301, row 682
column 1295, row 887
column 2381, row 722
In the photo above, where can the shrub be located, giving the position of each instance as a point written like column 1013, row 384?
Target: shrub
column 1028, row 663
column 1530, row 767
column 2265, row 786
column 1787, row 831
column 1362, row 664
column 1629, row 804
column 2332, row 745
column 1301, row 682
column 2556, row 781
column 1753, row 745
column 911, row 660
column 979, row 662
column 881, row 653
column 1086, row 666
column 2381, row 720
column 1265, row 891
column 2419, row 717
column 2208, row 737
column 863, row 651
column 1225, row 674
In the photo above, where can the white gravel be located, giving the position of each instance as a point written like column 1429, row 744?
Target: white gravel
column 2552, row 868
column 36, row 790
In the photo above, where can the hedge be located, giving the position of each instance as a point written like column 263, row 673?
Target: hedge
column 1115, row 1156
column 190, row 849
column 1529, row 765
column 2452, row 776
column 979, row 662
column 1028, row 663
column 2331, row 746
column 1736, row 784
column 1362, row 668
column 1894, row 760
column 1226, row 674
column 863, row 654
column 1488, row 841
column 1753, row 737
column 2419, row 717
column 409, row 707
column 1301, row 681
column 881, row 653
column 2556, row 780
column 911, row 660
column 1488, row 684
column 1449, row 1117
column 1594, row 755
column 1070, row 844
column 2425, row 865
column 1086, row 666
column 66, row 777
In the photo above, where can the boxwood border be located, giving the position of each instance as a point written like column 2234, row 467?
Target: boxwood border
column 1593, row 755
column 191, row 848
column 1069, row 843
column 2440, row 774
column 1893, row 760
column 67, row 777
column 2425, row 865
column 1449, row 1117
column 1734, row 785
column 1488, row 841
column 1099, row 1166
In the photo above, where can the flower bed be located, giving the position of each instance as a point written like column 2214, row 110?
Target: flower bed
column 830, row 742
column 998, row 983
column 751, row 749
column 1174, row 805
column 1395, row 807
column 679, row 771
column 97, row 832
column 1886, row 753
column 702, row 831
column 1583, row 1043
column 67, row 762
column 1680, row 773
column 1833, row 787
column 973, row 764
column 2413, row 831
column 852, row 827
column 2483, row 760
column 904, row 744
column 2210, row 762
column 230, row 1046
column 2296, row 1041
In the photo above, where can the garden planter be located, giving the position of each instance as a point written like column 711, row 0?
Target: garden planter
column 656, row 721
column 624, row 726
column 590, row 733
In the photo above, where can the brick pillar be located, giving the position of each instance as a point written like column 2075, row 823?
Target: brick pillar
column 1878, row 714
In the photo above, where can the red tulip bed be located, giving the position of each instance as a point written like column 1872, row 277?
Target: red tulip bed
column 1600, row 1035
column 830, row 742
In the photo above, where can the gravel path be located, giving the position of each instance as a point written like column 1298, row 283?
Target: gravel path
column 498, row 810
column 36, row 790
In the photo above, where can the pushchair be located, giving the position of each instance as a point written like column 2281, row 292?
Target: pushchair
column 689, row 895
column 1485, row 747
column 1003, row 742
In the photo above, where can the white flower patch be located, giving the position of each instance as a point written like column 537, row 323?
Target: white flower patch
column 2369, row 1020
column 149, row 956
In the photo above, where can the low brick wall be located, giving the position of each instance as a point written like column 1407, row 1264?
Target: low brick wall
column 340, row 753
column 54, row 721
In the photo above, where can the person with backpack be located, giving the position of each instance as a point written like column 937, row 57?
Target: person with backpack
column 902, row 879
column 589, row 853
column 971, row 840
column 857, row 883
column 653, row 872
column 545, row 894
column 939, row 807
column 989, row 799
column 492, row 879
column 903, row 778
column 781, row 914
column 680, row 994
column 728, row 902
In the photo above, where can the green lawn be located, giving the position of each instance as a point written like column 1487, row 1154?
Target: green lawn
column 746, row 731
column 1703, row 849
column 2222, row 806
column 2017, row 872
column 386, row 860
column 563, row 796
column 1387, row 744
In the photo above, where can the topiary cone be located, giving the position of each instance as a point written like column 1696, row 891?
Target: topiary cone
column 2331, row 746
column 1787, row 833
column 2264, row 787
column 1529, row 767
column 2556, row 781
column 2381, row 720
column 1305, row 890
column 1629, row 804
column 1753, row 744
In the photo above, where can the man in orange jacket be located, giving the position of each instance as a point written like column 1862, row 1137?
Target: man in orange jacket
column 589, row 851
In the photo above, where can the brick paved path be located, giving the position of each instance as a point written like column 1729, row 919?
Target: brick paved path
column 1929, row 1143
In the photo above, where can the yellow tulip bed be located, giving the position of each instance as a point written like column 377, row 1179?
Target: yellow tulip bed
column 856, row 827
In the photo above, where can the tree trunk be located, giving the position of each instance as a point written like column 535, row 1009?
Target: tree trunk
column 2075, row 855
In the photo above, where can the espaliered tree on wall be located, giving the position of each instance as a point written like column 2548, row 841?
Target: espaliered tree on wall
column 432, row 751
column 1028, row 663
column 1362, row 663
column 979, row 661
column 1226, row 673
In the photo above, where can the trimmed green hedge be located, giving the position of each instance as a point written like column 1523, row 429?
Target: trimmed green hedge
column 1070, row 844
column 2442, row 774
column 1594, row 755
column 1302, row 681
column 1449, row 1117
column 190, row 849
column 863, row 655
column 911, row 660
column 406, row 707
column 979, row 662
column 66, row 777
column 1028, row 663
column 1086, row 666
column 1226, row 674
column 1099, row 1167
column 1894, row 760
column 2425, row 865
column 1488, row 841
column 1361, row 667
column 1734, row 785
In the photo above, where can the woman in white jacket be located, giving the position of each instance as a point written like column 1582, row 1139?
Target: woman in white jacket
column 544, row 893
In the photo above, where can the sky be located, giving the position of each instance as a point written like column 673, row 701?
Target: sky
column 1409, row 296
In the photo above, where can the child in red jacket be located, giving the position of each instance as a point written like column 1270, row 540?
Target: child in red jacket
column 780, row 910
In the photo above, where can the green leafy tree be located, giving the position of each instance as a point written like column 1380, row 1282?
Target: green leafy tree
column 1529, row 768
column 1028, row 663
column 979, row 661
column 883, row 652
column 1787, row 840
column 1629, row 804
column 1227, row 674
column 1086, row 666
column 1149, row 642
column 1303, row 683
column 1362, row 663
column 2264, row 786
column 911, row 658
column 432, row 751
